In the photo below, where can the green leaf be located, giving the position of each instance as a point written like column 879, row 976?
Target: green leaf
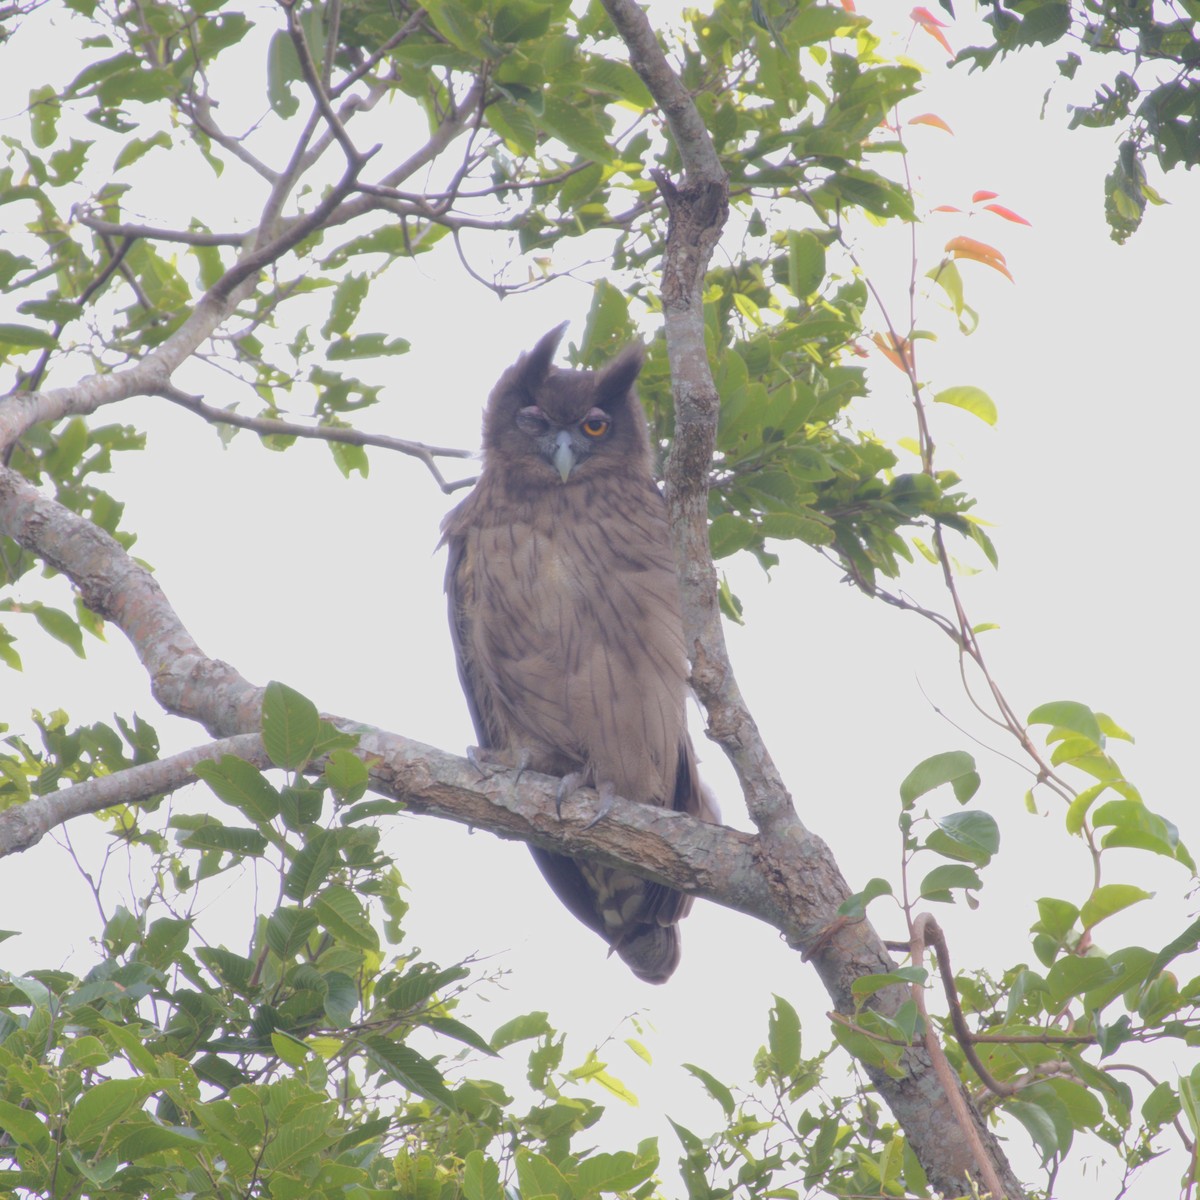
column 60, row 626
column 806, row 263
column 728, row 534
column 521, row 1029
column 459, row 1032
column 620, row 1172
column 405, row 1066
column 312, row 866
column 1068, row 714
column 1039, row 1125
column 955, row 767
column 104, row 1104
column 288, row 929
column 242, row 785
column 291, row 724
column 212, row 835
column 44, row 111
column 972, row 399
column 939, row 882
column 135, row 148
column 967, row 837
column 1072, row 976
column 481, row 1178
column 25, row 1128
column 1108, row 899
column 855, row 906
column 576, row 128
column 714, row 1087
column 144, row 1140
column 346, row 775
column 291, row 1050
column 783, row 1037
column 342, row 913
column 341, row 999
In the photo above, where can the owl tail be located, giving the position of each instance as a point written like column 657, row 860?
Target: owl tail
column 651, row 952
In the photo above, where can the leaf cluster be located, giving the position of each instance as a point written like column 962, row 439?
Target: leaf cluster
column 1153, row 100
column 321, row 1060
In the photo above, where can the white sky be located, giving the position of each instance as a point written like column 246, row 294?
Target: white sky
column 281, row 568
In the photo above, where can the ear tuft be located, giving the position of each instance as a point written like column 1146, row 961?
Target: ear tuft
column 615, row 380
column 534, row 366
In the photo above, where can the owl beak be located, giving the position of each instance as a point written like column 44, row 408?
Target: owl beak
column 564, row 456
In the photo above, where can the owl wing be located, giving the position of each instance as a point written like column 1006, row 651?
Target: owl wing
column 460, row 601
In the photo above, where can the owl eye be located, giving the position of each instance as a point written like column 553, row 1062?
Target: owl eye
column 595, row 424
column 532, row 419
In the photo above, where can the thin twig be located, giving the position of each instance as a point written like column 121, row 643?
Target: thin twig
column 187, row 237
column 271, row 427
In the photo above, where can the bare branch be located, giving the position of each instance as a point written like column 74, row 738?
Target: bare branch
column 454, row 124
column 269, row 426
column 186, row 237
column 369, row 64
column 316, row 88
column 199, row 109
column 24, row 825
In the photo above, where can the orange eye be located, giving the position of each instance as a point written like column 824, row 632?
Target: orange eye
column 595, row 427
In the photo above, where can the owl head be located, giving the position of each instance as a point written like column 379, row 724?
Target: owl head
column 549, row 427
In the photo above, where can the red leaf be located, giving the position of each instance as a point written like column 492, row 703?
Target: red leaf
column 931, row 119
column 977, row 196
column 945, row 208
column 932, row 26
column 1007, row 214
column 848, row 5
column 924, row 17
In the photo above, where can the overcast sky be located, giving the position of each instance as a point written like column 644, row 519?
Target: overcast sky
column 283, row 569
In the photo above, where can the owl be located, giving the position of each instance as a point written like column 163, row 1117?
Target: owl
column 564, row 613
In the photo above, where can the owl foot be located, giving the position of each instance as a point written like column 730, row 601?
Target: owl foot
column 567, row 785
column 607, row 793
column 477, row 757
column 489, row 762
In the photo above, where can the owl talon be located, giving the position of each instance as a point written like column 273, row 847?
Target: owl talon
column 567, row 785
column 607, row 793
column 523, row 761
column 478, row 757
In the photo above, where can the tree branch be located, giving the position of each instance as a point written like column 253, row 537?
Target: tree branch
column 24, row 825
column 268, row 426
column 186, row 237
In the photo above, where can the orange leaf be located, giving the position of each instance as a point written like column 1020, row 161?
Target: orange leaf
column 899, row 354
column 932, row 26
column 848, row 5
column 979, row 249
column 1007, row 214
column 945, row 208
column 977, row 196
column 965, row 247
column 931, row 119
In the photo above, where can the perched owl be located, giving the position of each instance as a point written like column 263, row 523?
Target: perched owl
column 564, row 610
